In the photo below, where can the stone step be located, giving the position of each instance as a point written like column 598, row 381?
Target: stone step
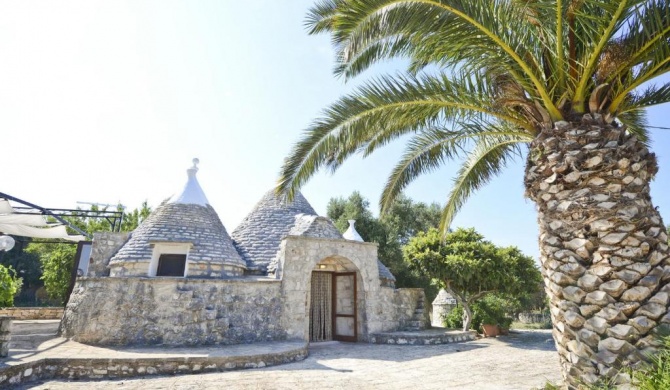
column 415, row 324
column 422, row 337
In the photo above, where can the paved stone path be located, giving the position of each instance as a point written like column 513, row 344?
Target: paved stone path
column 522, row 360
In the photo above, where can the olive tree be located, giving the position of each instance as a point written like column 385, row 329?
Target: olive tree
column 469, row 267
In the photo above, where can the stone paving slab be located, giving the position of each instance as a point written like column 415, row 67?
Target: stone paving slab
column 522, row 360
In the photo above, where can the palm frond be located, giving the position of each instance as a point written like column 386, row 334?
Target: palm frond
column 432, row 148
column 487, row 159
column 651, row 96
column 483, row 77
column 321, row 16
column 598, row 22
column 474, row 34
column 383, row 110
column 635, row 120
column 655, row 67
column 645, row 34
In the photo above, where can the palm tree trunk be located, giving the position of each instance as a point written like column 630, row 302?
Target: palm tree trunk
column 603, row 247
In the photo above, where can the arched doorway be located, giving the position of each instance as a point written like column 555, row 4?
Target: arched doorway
column 333, row 313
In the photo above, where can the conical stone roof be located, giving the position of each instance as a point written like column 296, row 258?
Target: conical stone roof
column 258, row 236
column 185, row 218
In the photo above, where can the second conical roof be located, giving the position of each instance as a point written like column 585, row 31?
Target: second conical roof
column 258, row 236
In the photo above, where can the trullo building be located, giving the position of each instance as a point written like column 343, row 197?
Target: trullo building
column 284, row 274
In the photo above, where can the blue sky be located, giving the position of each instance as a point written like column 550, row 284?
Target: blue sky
column 109, row 101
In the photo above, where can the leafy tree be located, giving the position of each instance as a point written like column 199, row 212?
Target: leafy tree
column 569, row 78
column 57, row 259
column 26, row 265
column 10, row 284
column 469, row 267
column 491, row 309
column 57, row 262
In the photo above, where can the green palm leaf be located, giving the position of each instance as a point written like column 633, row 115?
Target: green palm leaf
column 435, row 147
column 486, row 160
column 507, row 68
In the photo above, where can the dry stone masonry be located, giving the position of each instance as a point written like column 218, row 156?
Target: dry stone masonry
column 604, row 249
column 253, row 287
column 32, row 313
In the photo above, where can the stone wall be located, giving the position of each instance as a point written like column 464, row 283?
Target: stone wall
column 178, row 311
column 32, row 313
column 105, row 245
column 396, row 308
column 173, row 311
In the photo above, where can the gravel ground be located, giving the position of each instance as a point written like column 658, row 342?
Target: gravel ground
column 523, row 360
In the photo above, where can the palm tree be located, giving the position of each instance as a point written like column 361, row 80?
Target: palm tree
column 569, row 79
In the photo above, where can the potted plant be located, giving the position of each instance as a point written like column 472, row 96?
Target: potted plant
column 503, row 325
column 489, row 323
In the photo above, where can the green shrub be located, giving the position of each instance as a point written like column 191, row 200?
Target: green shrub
column 57, row 262
column 492, row 309
column 656, row 375
column 10, row 285
column 454, row 318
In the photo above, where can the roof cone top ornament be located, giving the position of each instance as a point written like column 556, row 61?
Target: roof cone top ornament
column 351, row 233
column 194, row 169
column 192, row 192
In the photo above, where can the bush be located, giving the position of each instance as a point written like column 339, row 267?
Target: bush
column 492, row 309
column 657, row 374
column 57, row 262
column 454, row 318
column 10, row 285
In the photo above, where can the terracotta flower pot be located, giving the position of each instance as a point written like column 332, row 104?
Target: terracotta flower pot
column 490, row 330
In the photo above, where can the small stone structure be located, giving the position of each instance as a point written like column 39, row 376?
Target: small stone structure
column 443, row 304
column 180, row 279
column 533, row 318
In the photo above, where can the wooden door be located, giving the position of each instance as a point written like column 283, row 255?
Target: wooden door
column 344, row 307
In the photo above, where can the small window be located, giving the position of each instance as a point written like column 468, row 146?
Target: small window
column 171, row 265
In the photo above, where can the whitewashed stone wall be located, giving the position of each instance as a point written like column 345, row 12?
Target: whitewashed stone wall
column 123, row 311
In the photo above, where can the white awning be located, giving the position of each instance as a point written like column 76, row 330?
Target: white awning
column 30, row 225
column 5, row 207
column 37, row 232
column 23, row 219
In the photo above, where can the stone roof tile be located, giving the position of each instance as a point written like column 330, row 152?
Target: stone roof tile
column 258, row 236
column 180, row 222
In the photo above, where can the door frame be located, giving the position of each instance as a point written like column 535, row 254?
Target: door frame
column 353, row 338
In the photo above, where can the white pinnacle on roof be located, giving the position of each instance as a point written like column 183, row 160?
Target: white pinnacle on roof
column 351, row 233
column 192, row 192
